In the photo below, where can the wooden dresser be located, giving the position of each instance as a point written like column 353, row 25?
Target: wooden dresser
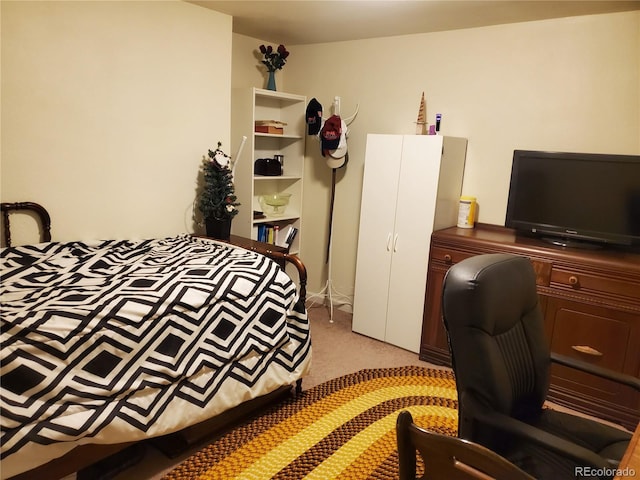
column 591, row 305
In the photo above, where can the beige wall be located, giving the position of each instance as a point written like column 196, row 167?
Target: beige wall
column 107, row 109
column 568, row 84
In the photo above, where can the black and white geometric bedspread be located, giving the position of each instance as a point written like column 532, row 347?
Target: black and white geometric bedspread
column 123, row 340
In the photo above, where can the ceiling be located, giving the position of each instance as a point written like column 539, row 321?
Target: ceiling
column 298, row 22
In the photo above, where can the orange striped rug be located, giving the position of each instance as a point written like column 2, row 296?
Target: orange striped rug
column 344, row 428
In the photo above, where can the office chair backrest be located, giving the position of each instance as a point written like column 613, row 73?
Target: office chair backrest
column 448, row 457
column 496, row 335
column 34, row 208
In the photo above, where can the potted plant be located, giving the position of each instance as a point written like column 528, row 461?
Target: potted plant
column 218, row 202
column 273, row 60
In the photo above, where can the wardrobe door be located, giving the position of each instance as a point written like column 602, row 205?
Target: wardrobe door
column 415, row 210
column 376, row 234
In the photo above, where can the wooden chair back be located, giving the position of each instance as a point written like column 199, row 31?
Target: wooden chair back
column 448, row 457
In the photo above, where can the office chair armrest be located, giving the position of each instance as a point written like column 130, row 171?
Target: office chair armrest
column 512, row 426
column 620, row 378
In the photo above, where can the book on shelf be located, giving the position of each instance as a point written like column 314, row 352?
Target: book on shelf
column 288, row 236
column 268, row 233
column 262, row 233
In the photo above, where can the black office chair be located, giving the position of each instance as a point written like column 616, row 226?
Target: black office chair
column 448, row 457
column 501, row 360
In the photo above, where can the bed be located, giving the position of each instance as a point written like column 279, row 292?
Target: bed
column 111, row 342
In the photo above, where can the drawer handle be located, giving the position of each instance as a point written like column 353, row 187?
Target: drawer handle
column 573, row 280
column 587, row 350
column 447, row 258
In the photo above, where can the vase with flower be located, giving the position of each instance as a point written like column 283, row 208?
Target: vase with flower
column 273, row 60
column 218, row 202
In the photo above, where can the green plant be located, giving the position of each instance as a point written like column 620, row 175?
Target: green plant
column 218, row 199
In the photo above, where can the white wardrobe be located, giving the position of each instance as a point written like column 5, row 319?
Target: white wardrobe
column 411, row 187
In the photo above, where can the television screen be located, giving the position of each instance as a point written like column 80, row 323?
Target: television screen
column 575, row 196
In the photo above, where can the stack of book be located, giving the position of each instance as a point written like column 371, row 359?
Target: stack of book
column 274, row 234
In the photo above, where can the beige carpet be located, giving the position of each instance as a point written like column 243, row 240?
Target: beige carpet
column 338, row 351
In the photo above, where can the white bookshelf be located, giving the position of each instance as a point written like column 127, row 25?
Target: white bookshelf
column 249, row 105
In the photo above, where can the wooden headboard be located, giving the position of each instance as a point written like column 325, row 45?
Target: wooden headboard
column 29, row 207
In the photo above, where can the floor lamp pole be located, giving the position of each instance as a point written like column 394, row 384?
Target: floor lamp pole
column 328, row 287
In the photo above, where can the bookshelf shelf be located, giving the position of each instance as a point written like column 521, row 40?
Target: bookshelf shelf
column 278, row 135
column 260, row 178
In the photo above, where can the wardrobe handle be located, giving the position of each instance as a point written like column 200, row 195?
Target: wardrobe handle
column 395, row 243
column 587, row 349
column 389, row 242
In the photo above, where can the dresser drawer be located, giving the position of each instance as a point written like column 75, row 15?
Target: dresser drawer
column 589, row 336
column 448, row 256
column 595, row 283
column 598, row 336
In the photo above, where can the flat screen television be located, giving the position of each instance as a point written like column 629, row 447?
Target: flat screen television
column 576, row 199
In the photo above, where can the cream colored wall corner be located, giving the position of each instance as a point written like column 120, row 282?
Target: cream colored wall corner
column 568, row 84
column 107, row 109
